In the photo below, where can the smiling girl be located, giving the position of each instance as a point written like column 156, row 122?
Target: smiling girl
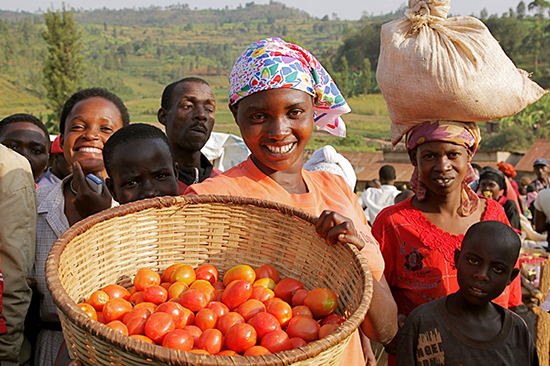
column 278, row 91
column 88, row 119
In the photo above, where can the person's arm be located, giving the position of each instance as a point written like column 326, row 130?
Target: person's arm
column 380, row 324
column 540, row 221
column 406, row 348
column 17, row 246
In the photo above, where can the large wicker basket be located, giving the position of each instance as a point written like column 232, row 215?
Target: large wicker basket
column 109, row 248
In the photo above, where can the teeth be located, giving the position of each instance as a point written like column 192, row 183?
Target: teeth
column 447, row 180
column 280, row 149
column 91, row 150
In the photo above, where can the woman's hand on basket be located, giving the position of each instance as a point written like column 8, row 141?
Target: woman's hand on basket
column 87, row 201
column 334, row 227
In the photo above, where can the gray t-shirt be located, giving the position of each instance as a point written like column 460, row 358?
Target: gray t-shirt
column 429, row 337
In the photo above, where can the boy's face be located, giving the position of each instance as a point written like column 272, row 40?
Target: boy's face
column 142, row 169
column 28, row 140
column 190, row 120
column 484, row 268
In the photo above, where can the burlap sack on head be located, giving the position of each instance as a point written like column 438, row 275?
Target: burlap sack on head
column 434, row 68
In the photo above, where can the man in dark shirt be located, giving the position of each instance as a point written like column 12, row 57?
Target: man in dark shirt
column 188, row 112
column 540, row 167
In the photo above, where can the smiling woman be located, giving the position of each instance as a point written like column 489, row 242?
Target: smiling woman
column 88, row 119
column 278, row 92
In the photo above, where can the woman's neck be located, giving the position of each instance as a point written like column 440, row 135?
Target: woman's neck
column 440, row 204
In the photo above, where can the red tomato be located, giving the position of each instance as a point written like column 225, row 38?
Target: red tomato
column 276, row 341
column 194, row 331
column 173, row 308
column 327, row 329
column 155, row 294
column 147, row 305
column 97, row 299
column 267, row 271
column 167, row 274
column 176, row 289
column 280, row 310
column 118, row 326
column 166, row 285
column 242, row 272
column 208, row 273
column 249, row 308
column 218, row 285
column 193, row 300
column 219, row 308
column 100, row 317
column 256, row 351
column 137, row 297
column 236, row 293
column 142, row 313
column 146, row 277
column 132, row 290
column 116, row 309
column 184, row 273
column 187, row 319
column 206, row 319
column 228, row 352
column 261, row 293
column 299, row 296
column 333, row 319
column 240, row 337
column 179, row 339
column 117, row 292
column 229, row 320
column 303, row 327
column 142, row 338
column 321, row 302
column 199, row 352
column 158, row 326
column 264, row 323
column 285, row 288
column 265, row 282
column 88, row 310
column 301, row 310
column 211, row 340
column 205, row 287
column 136, row 325
column 297, row 343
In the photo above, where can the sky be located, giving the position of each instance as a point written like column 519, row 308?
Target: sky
column 346, row 9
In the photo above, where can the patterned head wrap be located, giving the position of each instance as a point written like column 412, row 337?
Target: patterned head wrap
column 272, row 63
column 507, row 169
column 465, row 134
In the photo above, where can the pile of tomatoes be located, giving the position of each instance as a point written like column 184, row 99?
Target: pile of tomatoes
column 249, row 312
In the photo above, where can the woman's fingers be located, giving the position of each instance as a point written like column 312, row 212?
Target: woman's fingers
column 334, row 227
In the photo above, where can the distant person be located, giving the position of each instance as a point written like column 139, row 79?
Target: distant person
column 407, row 193
column 27, row 135
column 59, row 168
column 187, row 111
column 17, row 249
column 492, row 184
column 477, row 171
column 140, row 164
column 540, row 167
column 327, row 159
column 542, row 214
column 375, row 200
column 466, row 327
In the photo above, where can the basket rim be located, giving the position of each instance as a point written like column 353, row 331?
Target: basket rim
column 71, row 310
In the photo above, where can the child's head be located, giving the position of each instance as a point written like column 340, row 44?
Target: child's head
column 485, row 264
column 27, row 135
column 277, row 92
column 140, row 164
column 89, row 118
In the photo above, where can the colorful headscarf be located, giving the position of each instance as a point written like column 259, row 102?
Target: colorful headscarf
column 273, row 63
column 465, row 134
column 507, row 169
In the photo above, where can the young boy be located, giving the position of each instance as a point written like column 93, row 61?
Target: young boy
column 466, row 328
column 140, row 164
column 28, row 136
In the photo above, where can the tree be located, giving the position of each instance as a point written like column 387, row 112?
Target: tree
column 344, row 76
column 539, row 5
column 366, row 79
column 520, row 10
column 63, row 69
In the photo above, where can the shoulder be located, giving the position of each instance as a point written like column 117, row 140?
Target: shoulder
column 493, row 211
column 15, row 172
column 229, row 182
column 49, row 195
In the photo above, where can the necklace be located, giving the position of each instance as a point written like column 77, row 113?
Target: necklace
column 71, row 188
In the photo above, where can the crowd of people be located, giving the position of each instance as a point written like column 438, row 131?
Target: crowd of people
column 442, row 256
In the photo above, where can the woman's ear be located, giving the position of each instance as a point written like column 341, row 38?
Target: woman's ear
column 233, row 108
column 412, row 156
column 470, row 155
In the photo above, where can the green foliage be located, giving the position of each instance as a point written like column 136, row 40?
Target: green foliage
column 63, row 69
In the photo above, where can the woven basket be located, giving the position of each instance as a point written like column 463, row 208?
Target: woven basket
column 224, row 231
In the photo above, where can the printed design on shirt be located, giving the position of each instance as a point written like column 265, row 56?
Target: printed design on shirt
column 413, row 260
column 429, row 351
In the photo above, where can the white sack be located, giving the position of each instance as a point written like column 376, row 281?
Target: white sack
column 434, row 68
column 225, row 150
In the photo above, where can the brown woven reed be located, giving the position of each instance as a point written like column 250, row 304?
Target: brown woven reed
column 109, row 248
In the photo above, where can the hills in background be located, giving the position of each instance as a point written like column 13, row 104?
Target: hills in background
column 135, row 53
